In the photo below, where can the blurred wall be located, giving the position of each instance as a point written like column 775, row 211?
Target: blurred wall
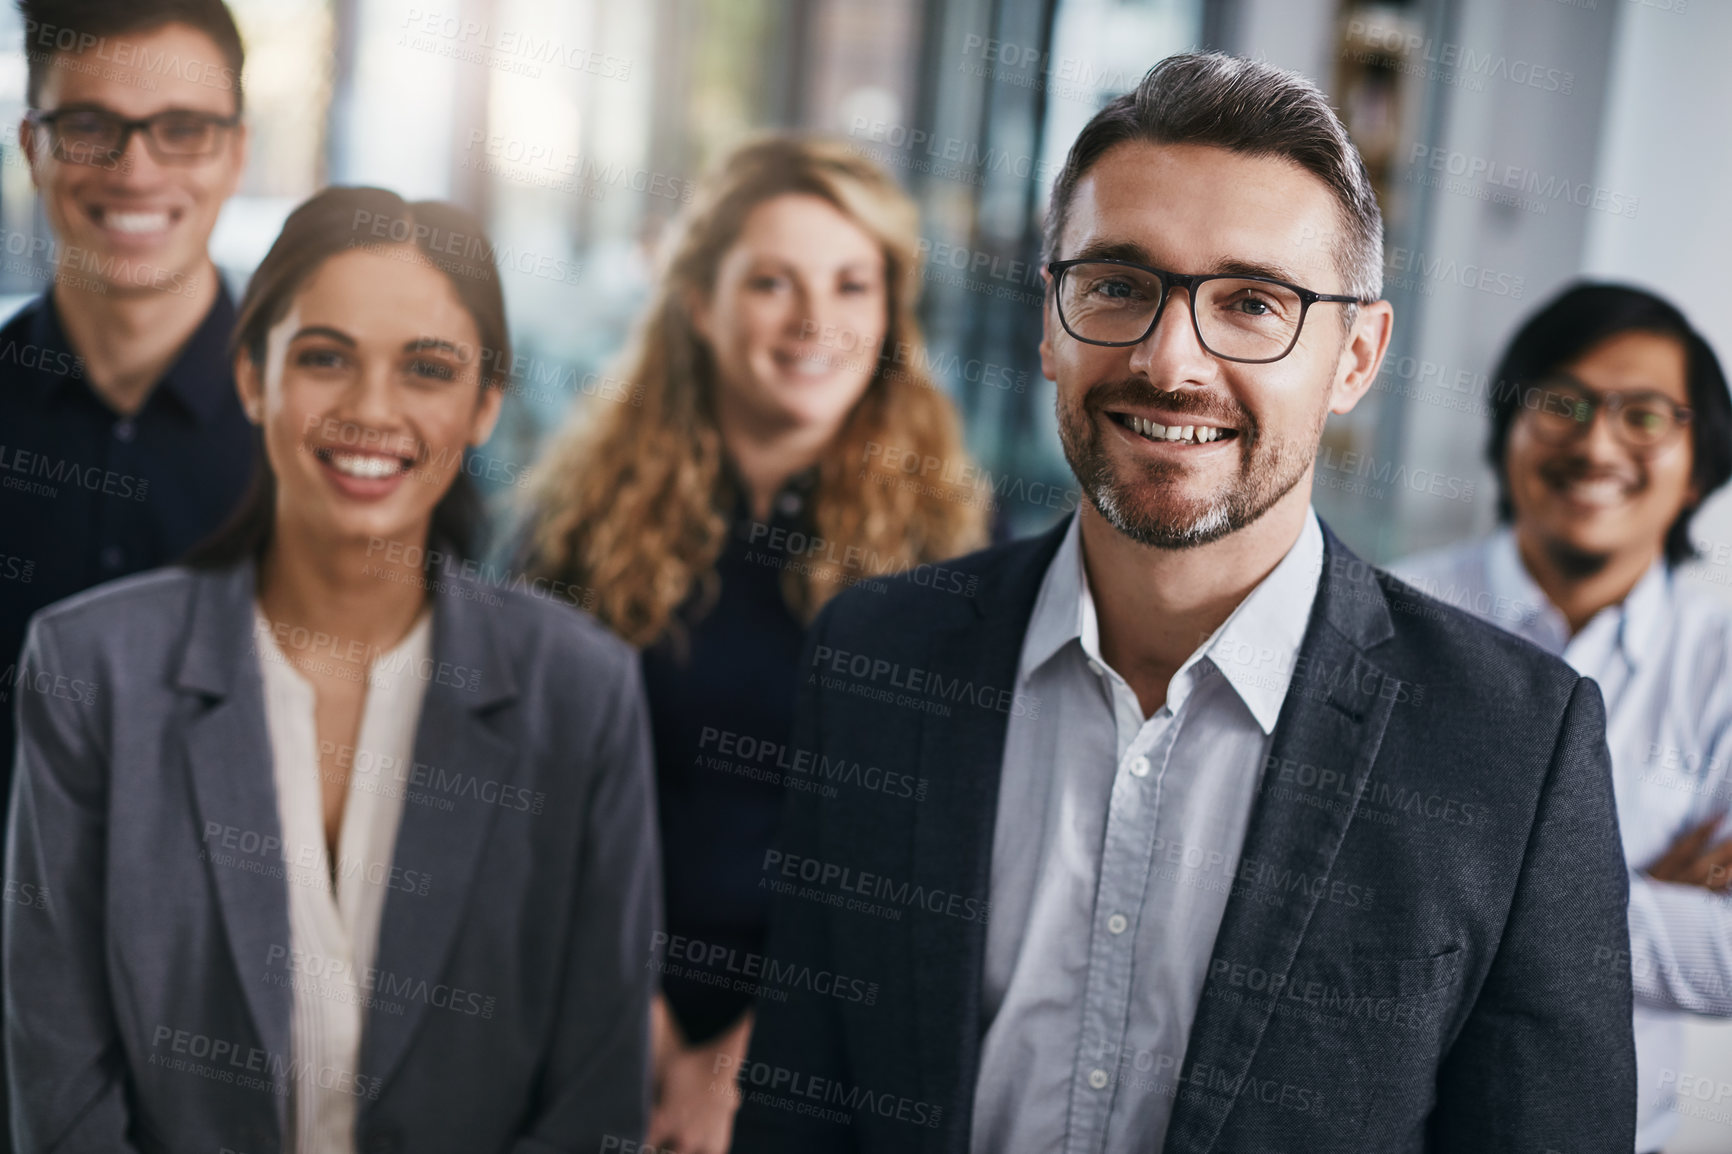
column 1665, row 143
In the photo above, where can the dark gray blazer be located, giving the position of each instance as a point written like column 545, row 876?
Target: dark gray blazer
column 147, row 923
column 1478, row 1003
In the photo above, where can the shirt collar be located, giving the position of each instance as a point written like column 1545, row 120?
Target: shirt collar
column 200, row 378
column 791, row 506
column 1517, row 602
column 1646, row 610
column 1640, row 616
column 388, row 672
column 1058, row 608
column 46, row 335
column 1255, row 648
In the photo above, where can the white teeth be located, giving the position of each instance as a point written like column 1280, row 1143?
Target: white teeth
column 1190, row 434
column 135, row 221
column 1603, row 492
column 370, row 467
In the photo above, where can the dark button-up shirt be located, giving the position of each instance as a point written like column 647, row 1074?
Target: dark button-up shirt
column 88, row 495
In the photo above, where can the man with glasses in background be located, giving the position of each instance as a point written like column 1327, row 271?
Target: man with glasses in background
column 1611, row 424
column 122, row 441
column 1226, row 841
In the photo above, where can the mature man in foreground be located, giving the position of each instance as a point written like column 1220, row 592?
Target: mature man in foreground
column 1228, row 842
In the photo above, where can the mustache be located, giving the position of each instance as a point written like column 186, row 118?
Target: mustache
column 1574, row 468
column 1188, row 402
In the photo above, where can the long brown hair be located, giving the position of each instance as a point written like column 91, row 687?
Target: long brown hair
column 332, row 222
column 633, row 500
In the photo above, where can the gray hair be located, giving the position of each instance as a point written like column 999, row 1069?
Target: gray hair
column 1244, row 106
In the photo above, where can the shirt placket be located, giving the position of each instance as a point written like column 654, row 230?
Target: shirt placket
column 118, row 548
column 1127, row 855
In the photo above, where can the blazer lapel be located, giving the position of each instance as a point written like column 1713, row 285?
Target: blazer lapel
column 1335, row 706
column 228, row 752
column 470, row 677
column 961, row 756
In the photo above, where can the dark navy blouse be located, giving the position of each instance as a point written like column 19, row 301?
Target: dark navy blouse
column 722, row 710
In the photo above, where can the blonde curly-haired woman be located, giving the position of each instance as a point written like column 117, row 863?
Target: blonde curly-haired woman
column 778, row 393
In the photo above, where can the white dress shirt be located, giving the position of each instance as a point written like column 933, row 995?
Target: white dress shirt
column 334, row 934
column 1661, row 659
column 1114, row 850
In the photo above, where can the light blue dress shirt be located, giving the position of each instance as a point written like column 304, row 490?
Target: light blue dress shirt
column 1116, row 841
column 1663, row 661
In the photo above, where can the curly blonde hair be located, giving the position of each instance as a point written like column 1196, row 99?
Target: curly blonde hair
column 632, row 502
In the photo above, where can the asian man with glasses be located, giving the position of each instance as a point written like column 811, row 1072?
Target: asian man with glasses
column 1611, row 425
column 1229, row 841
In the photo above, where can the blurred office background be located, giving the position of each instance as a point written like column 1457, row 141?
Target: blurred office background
column 1517, row 144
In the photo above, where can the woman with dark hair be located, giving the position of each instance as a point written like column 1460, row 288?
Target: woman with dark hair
column 1611, row 425
column 784, row 440
column 337, row 849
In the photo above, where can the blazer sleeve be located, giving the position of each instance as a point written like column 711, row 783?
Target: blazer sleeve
column 803, row 1036
column 594, row 1088
column 1546, row 1059
column 66, row 1070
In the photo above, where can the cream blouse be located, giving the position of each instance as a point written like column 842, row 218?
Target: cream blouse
column 334, row 930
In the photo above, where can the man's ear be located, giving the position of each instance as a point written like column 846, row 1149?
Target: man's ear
column 30, row 145
column 1362, row 355
column 1048, row 318
column 242, row 144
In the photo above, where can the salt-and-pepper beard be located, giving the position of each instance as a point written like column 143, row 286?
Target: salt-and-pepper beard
column 1268, row 469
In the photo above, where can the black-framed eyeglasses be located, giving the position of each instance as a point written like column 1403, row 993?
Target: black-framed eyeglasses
column 1249, row 319
column 86, row 135
column 1561, row 408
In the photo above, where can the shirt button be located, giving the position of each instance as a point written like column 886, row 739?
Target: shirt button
column 125, row 431
column 1098, row 1079
column 788, row 504
column 1095, row 667
column 112, row 557
column 1118, row 923
column 1140, row 767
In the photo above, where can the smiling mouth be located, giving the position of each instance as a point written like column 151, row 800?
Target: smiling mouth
column 1602, row 491
column 367, row 466
column 1174, row 434
column 810, row 364
column 136, row 222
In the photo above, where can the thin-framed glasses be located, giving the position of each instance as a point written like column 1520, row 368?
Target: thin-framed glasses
column 1249, row 319
column 86, row 135
column 1561, row 408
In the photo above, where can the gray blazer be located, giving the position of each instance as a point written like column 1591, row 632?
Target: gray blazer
column 146, row 919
